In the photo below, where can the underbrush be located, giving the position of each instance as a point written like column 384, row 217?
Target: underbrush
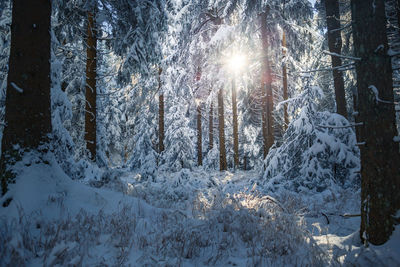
column 241, row 229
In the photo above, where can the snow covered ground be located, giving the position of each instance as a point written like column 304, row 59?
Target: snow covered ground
column 189, row 218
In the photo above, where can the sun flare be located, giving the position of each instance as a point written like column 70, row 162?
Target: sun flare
column 236, row 62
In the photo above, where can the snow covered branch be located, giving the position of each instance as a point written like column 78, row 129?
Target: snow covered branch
column 340, row 68
column 341, row 56
column 376, row 93
column 17, row 88
column 341, row 127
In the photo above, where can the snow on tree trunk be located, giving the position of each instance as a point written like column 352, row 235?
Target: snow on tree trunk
column 266, row 84
column 28, row 116
column 285, row 82
column 380, row 156
column 90, row 95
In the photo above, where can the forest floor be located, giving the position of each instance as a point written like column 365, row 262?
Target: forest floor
column 190, row 218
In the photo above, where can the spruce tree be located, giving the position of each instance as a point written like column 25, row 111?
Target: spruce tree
column 335, row 46
column 380, row 171
column 28, row 116
column 266, row 85
column 91, row 93
column 221, row 131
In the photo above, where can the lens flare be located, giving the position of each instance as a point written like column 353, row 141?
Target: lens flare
column 236, row 62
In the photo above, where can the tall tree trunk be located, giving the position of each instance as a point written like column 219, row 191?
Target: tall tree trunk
column 266, row 85
column 380, row 172
column 28, row 114
column 235, row 126
column 285, row 82
column 221, row 128
column 161, row 133
column 211, row 127
column 91, row 94
column 199, row 137
column 398, row 14
column 335, row 46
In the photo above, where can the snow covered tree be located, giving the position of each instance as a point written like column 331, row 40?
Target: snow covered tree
column 28, row 116
column 319, row 150
column 180, row 149
column 144, row 157
column 380, row 171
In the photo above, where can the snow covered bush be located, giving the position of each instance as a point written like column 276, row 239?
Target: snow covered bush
column 241, row 229
column 319, row 150
column 179, row 136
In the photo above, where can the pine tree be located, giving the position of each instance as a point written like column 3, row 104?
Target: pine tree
column 211, row 126
column 28, row 116
column 161, row 133
column 199, row 137
column 335, row 46
column 380, row 171
column 221, row 131
column 198, row 120
column 284, row 82
column 235, row 127
column 91, row 94
column 266, row 85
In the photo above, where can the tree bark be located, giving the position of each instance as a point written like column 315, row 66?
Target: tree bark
column 398, row 14
column 211, row 128
column 380, row 171
column 335, row 46
column 199, row 137
column 161, row 133
column 28, row 113
column 235, row 126
column 285, row 83
column 221, row 128
column 266, row 85
column 91, row 94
